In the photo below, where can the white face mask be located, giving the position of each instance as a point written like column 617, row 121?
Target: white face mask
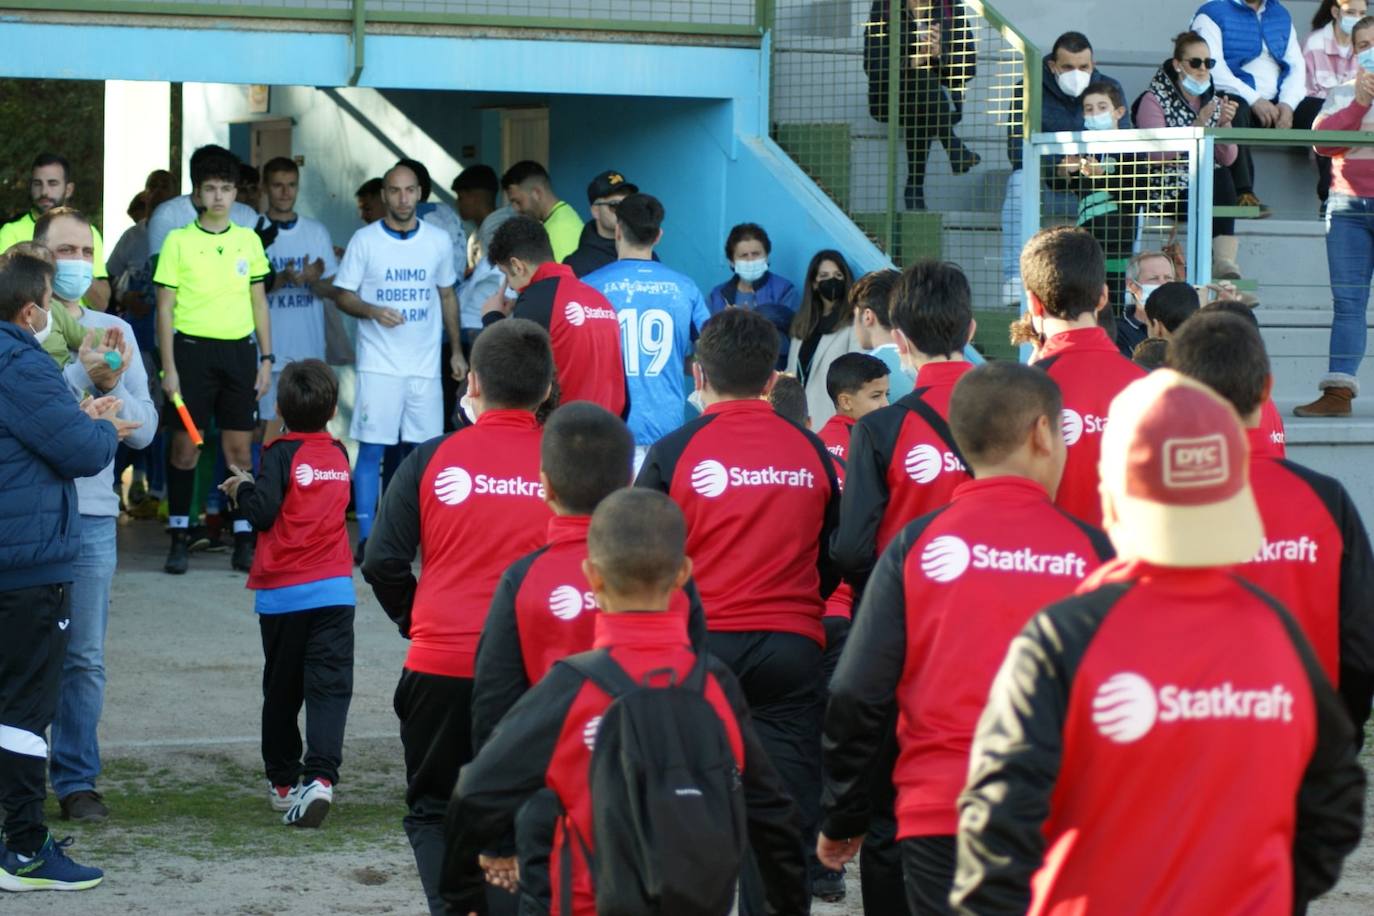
column 1073, row 82
column 42, row 335
column 1145, row 290
column 749, row 271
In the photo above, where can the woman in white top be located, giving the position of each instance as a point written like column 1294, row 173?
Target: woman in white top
column 822, row 330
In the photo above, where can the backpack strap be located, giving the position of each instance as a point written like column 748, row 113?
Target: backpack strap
column 602, row 670
column 565, row 863
column 936, row 422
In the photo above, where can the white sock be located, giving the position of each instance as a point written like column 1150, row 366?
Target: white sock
column 179, row 521
column 241, row 526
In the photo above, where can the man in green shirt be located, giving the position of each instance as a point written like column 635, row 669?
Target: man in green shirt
column 211, row 301
column 51, row 185
column 530, row 193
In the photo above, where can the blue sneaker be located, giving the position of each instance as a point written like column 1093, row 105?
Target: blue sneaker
column 48, row 870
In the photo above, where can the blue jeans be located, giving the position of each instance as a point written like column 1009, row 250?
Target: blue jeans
column 1350, row 258
column 1056, row 205
column 75, row 750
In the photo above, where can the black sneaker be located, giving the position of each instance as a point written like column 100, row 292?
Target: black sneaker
column 85, row 805
column 179, row 557
column 198, row 538
column 359, row 552
column 243, row 552
column 828, row 886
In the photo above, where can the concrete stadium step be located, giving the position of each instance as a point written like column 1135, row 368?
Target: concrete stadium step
column 1298, row 344
column 1342, row 448
column 1287, row 258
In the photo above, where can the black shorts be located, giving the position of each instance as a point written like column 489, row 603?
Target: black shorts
column 217, row 379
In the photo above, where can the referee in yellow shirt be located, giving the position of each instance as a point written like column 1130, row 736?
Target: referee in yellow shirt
column 210, row 302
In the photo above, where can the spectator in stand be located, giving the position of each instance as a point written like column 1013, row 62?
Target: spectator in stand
column 823, row 329
column 369, row 197
column 1146, row 272
column 1330, row 57
column 1349, row 231
column 938, row 57
column 1258, row 61
column 1068, row 69
column 1182, row 94
column 753, row 285
column 1168, row 307
column 530, row 192
column 596, row 246
column 873, row 327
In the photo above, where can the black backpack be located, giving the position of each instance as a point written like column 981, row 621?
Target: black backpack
column 667, row 799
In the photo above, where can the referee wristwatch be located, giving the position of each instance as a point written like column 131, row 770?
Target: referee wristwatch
column 268, row 358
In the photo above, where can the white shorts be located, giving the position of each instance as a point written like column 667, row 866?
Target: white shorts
column 392, row 408
column 267, row 404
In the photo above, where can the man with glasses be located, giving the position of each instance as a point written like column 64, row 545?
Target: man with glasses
column 596, row 247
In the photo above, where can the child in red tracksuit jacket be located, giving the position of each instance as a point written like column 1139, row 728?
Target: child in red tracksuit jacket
column 303, row 575
column 635, row 565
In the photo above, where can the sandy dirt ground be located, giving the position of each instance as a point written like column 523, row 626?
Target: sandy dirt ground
column 180, row 740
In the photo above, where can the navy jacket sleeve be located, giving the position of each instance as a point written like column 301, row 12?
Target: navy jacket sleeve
column 829, row 569
column 42, row 414
column 500, row 679
column 1015, row 760
column 261, row 499
column 854, row 547
column 395, row 539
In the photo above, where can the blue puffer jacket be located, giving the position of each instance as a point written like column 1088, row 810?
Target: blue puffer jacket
column 775, row 298
column 1245, row 34
column 46, row 442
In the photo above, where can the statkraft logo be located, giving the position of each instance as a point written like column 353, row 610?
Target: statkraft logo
column 577, row 313
column 1127, row 707
column 1073, row 425
column 949, row 556
column 711, row 478
column 306, row 475
column 566, row 602
column 453, row 485
column 926, row 462
column 589, row 732
column 1286, row 550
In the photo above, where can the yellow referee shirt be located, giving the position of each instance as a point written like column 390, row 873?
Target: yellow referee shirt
column 213, row 273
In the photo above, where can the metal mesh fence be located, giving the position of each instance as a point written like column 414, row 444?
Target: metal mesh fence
column 626, row 13
column 908, row 113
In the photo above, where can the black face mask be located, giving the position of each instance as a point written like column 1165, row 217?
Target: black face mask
column 831, row 290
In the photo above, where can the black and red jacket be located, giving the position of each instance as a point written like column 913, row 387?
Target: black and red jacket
column 945, row 600
column 585, row 334
column 1090, row 372
column 544, row 611
column 472, row 504
column 298, row 506
column 1316, row 561
column 546, row 740
column 835, row 434
column 903, row 463
column 761, row 499
column 1163, row 742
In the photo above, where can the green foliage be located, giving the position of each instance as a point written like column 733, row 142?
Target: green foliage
column 62, row 116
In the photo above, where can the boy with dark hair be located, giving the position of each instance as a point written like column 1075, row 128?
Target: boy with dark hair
column 1066, row 286
column 788, row 397
column 936, row 618
column 761, row 500
column 635, row 565
column 303, row 578
column 873, row 327
column 369, row 199
column 903, row 461
column 581, row 323
column 1168, row 306
column 215, row 339
column 1315, row 558
column 471, row 501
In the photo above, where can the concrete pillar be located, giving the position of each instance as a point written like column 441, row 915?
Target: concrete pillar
column 137, row 138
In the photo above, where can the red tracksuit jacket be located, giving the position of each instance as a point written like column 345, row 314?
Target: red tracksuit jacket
column 1271, row 423
column 1090, row 372
column 544, row 611
column 902, row 464
column 472, row 504
column 761, row 498
column 835, row 434
column 945, row 600
column 585, row 334
column 1316, row 561
column 298, row 505
column 547, row 740
column 1164, row 742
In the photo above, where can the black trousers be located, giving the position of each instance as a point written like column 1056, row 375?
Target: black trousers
column 436, row 734
column 880, row 862
column 928, row 866
column 34, row 624
column 927, row 116
column 307, row 660
column 780, row 674
column 1243, row 169
column 1303, row 118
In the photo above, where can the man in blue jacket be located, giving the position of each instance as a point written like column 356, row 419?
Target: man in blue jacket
column 1068, row 69
column 46, row 441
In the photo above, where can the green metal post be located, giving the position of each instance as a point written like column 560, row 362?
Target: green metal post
column 894, row 128
column 763, row 16
column 359, row 39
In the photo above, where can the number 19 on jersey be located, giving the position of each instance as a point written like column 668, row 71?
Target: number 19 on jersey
column 646, row 338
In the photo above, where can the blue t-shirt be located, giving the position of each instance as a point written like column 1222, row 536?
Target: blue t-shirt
column 660, row 311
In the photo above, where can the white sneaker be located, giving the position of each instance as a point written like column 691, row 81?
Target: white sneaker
column 1011, row 292
column 310, row 804
column 281, row 797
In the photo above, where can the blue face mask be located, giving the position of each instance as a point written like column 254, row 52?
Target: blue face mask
column 749, row 271
column 1348, row 23
column 1193, row 85
column 1366, row 59
column 1103, row 121
column 72, row 279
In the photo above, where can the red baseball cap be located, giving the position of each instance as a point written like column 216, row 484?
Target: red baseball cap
column 1176, row 465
